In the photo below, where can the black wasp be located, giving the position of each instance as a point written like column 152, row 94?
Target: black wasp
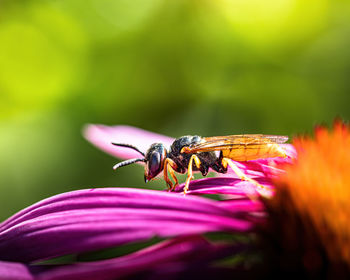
column 195, row 153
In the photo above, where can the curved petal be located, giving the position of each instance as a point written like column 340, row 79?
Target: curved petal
column 15, row 271
column 181, row 252
column 87, row 220
column 102, row 136
column 174, row 257
column 234, row 187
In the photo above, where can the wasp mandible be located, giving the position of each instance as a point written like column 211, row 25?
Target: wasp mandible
column 195, row 153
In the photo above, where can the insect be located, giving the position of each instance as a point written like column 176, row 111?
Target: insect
column 195, row 153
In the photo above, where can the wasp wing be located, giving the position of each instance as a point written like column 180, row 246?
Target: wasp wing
column 218, row 143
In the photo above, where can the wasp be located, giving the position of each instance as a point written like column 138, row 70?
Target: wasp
column 195, row 153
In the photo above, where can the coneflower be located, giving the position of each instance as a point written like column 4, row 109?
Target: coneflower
column 82, row 221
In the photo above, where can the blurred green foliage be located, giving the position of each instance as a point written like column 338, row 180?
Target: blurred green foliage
column 207, row 67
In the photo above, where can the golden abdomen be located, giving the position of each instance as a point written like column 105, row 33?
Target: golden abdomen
column 254, row 151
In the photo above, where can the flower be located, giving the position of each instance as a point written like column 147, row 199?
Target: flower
column 308, row 230
column 82, row 221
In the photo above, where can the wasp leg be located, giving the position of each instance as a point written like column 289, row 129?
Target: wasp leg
column 170, row 165
column 241, row 175
column 172, row 174
column 190, row 171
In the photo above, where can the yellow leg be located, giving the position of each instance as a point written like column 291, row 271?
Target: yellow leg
column 190, row 171
column 169, row 184
column 169, row 165
column 240, row 174
column 172, row 174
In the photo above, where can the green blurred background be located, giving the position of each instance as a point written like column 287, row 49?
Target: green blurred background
column 171, row 66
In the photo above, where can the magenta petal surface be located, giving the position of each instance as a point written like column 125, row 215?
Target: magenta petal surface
column 14, row 271
column 102, row 136
column 229, row 187
column 179, row 252
column 94, row 219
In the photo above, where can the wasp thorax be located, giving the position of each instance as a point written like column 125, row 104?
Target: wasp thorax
column 154, row 158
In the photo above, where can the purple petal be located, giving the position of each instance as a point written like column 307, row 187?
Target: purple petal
column 110, row 197
column 102, row 136
column 180, row 251
column 88, row 220
column 14, row 271
column 228, row 186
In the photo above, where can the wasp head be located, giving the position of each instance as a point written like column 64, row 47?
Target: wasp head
column 154, row 159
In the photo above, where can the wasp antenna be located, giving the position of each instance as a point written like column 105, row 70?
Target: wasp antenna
column 128, row 146
column 127, row 162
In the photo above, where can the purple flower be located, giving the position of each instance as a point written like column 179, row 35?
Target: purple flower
column 82, row 221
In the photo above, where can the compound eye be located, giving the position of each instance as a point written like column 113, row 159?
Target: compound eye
column 154, row 164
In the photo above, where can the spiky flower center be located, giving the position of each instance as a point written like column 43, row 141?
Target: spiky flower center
column 317, row 185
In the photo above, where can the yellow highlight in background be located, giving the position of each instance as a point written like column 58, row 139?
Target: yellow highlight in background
column 275, row 22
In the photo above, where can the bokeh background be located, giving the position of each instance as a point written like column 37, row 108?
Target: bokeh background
column 171, row 66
